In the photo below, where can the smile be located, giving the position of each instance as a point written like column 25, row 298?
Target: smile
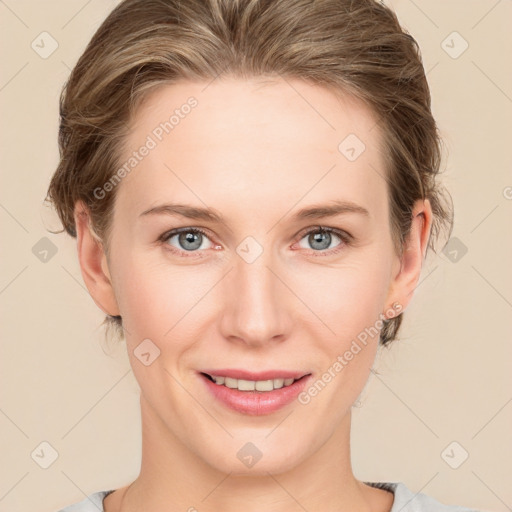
column 254, row 397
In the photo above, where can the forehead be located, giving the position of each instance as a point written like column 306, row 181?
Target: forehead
column 251, row 140
column 289, row 111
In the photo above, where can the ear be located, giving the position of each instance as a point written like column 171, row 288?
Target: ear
column 414, row 251
column 93, row 262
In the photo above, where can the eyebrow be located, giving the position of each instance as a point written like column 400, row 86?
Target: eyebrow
column 209, row 214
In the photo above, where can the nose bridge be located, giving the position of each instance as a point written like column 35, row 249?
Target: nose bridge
column 254, row 309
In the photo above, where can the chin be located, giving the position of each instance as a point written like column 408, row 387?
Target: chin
column 255, row 458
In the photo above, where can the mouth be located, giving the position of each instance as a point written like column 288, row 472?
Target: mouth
column 257, row 396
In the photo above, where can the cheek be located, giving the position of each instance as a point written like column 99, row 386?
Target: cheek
column 347, row 297
column 156, row 295
column 349, row 300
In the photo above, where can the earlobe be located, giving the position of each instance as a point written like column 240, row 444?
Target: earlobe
column 93, row 262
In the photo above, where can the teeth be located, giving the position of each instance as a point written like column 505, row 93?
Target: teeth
column 251, row 385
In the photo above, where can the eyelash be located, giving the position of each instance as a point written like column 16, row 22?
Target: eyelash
column 346, row 240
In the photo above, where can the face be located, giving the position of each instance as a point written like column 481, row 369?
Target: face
column 258, row 286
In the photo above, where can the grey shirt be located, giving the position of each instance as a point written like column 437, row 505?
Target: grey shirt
column 405, row 501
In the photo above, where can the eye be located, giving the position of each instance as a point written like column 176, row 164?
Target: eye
column 193, row 240
column 186, row 240
column 321, row 238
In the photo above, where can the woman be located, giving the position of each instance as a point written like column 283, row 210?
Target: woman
column 252, row 186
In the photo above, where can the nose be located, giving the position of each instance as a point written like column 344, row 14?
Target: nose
column 257, row 307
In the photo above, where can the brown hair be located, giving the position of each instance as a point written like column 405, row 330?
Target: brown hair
column 357, row 48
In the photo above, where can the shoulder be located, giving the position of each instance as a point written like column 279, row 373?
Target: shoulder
column 407, row 501
column 93, row 503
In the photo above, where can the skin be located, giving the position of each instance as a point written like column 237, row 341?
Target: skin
column 256, row 153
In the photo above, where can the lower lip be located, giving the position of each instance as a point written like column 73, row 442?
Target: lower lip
column 256, row 403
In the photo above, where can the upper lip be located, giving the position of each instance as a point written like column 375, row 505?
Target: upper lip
column 263, row 375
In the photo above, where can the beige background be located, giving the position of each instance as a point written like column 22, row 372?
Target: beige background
column 447, row 379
